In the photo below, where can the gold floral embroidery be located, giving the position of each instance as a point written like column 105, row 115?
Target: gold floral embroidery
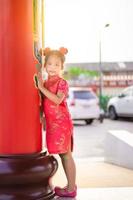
column 58, row 120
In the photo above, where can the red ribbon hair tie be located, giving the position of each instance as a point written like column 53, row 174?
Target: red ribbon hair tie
column 46, row 51
column 63, row 50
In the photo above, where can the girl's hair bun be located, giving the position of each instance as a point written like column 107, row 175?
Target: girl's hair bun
column 46, row 51
column 63, row 50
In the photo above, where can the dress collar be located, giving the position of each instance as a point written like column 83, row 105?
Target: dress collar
column 53, row 78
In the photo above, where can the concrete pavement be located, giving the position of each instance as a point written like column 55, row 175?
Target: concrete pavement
column 96, row 173
column 125, row 193
column 97, row 180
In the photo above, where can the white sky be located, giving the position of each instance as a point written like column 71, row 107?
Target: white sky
column 76, row 24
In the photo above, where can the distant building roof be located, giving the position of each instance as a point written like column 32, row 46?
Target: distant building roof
column 105, row 66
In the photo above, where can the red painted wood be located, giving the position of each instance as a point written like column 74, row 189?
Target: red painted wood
column 20, row 130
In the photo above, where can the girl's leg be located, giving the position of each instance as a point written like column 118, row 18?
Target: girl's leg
column 69, row 169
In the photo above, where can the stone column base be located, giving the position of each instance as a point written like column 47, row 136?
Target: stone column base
column 27, row 177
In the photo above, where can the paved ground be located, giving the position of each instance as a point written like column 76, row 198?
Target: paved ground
column 97, row 180
column 96, row 174
column 89, row 140
column 102, row 194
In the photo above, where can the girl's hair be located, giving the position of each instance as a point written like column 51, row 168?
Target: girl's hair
column 47, row 52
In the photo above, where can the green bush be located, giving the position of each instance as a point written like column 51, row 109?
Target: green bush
column 104, row 101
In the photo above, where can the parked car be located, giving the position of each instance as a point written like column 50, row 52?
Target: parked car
column 83, row 104
column 121, row 105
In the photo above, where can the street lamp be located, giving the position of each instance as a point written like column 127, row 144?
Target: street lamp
column 100, row 68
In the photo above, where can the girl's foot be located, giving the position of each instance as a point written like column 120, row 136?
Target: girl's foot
column 64, row 192
column 58, row 188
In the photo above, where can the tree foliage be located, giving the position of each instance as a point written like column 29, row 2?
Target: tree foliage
column 77, row 71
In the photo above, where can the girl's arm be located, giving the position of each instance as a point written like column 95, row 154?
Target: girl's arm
column 56, row 98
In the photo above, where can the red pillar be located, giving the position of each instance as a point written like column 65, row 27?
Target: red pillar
column 21, row 160
column 20, row 130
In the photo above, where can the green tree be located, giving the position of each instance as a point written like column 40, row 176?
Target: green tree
column 74, row 72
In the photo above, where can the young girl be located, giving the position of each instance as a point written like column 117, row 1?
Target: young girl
column 59, row 128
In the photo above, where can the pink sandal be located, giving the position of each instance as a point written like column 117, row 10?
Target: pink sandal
column 63, row 192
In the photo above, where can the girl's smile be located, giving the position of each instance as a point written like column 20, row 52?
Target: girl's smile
column 53, row 65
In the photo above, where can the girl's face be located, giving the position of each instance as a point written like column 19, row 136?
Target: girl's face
column 53, row 65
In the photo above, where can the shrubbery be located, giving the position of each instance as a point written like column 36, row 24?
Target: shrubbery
column 104, row 101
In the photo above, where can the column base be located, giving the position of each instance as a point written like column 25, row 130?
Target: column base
column 27, row 177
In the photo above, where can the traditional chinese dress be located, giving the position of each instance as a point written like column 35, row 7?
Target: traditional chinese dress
column 59, row 128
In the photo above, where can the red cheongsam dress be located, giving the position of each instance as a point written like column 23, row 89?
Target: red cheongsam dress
column 59, row 127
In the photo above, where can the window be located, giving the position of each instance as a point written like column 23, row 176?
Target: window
column 127, row 92
column 84, row 95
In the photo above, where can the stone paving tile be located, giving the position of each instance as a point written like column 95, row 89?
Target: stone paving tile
column 93, row 174
column 118, row 193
